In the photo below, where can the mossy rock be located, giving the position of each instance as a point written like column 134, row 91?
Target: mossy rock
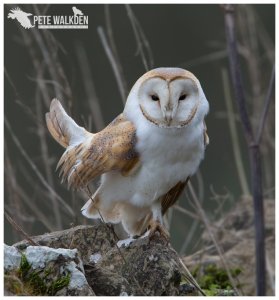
column 45, row 271
column 41, row 282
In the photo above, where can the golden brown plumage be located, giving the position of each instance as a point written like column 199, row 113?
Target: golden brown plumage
column 111, row 149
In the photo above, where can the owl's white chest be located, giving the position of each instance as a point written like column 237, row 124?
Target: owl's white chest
column 167, row 157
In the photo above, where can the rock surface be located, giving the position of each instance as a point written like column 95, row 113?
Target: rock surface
column 12, row 258
column 87, row 239
column 97, row 266
column 46, row 270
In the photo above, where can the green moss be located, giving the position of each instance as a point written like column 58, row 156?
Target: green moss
column 58, row 284
column 213, row 279
column 24, row 267
column 36, row 282
column 47, row 272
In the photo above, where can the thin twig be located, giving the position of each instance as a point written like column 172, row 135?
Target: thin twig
column 236, row 73
column 42, row 217
column 89, row 194
column 111, row 40
column 48, row 60
column 18, row 194
column 45, row 156
column 35, row 169
column 115, row 236
column 50, row 55
column 145, row 42
column 196, row 222
column 211, row 234
column 204, row 59
column 270, row 272
column 19, row 229
column 234, row 136
column 266, row 106
column 40, row 67
column 87, row 190
column 114, row 64
column 138, row 36
column 189, row 237
column 109, row 29
column 190, row 277
column 12, row 185
column 186, row 212
column 92, row 98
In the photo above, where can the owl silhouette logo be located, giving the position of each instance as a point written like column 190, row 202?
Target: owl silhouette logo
column 77, row 12
column 21, row 17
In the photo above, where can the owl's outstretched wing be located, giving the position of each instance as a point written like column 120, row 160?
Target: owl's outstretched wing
column 90, row 155
column 172, row 195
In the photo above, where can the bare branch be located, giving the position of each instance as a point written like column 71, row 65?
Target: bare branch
column 114, row 64
column 186, row 212
column 37, row 172
column 234, row 136
column 41, row 132
column 92, row 98
column 255, row 161
column 236, row 73
column 19, row 229
column 140, row 39
column 266, row 106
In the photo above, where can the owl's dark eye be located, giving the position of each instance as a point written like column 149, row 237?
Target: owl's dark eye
column 154, row 97
column 182, row 97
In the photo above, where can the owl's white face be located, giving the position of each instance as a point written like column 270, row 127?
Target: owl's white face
column 168, row 103
column 169, row 97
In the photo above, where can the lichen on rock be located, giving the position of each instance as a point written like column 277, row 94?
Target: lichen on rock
column 46, row 271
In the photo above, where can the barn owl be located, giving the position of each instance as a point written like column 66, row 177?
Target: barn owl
column 145, row 156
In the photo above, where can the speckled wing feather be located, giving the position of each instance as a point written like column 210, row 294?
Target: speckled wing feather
column 112, row 149
column 172, row 195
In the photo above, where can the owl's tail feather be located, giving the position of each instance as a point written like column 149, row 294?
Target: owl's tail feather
column 95, row 208
column 90, row 209
column 62, row 127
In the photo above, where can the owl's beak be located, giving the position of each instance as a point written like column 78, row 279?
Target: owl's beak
column 168, row 117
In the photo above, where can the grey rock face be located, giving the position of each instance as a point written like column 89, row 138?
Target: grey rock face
column 49, row 268
column 12, row 258
column 86, row 239
column 97, row 266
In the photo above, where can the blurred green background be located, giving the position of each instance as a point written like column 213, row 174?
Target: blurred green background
column 72, row 65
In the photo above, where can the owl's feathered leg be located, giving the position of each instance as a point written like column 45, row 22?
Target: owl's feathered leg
column 156, row 223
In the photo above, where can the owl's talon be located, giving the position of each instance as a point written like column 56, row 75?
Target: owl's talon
column 155, row 228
